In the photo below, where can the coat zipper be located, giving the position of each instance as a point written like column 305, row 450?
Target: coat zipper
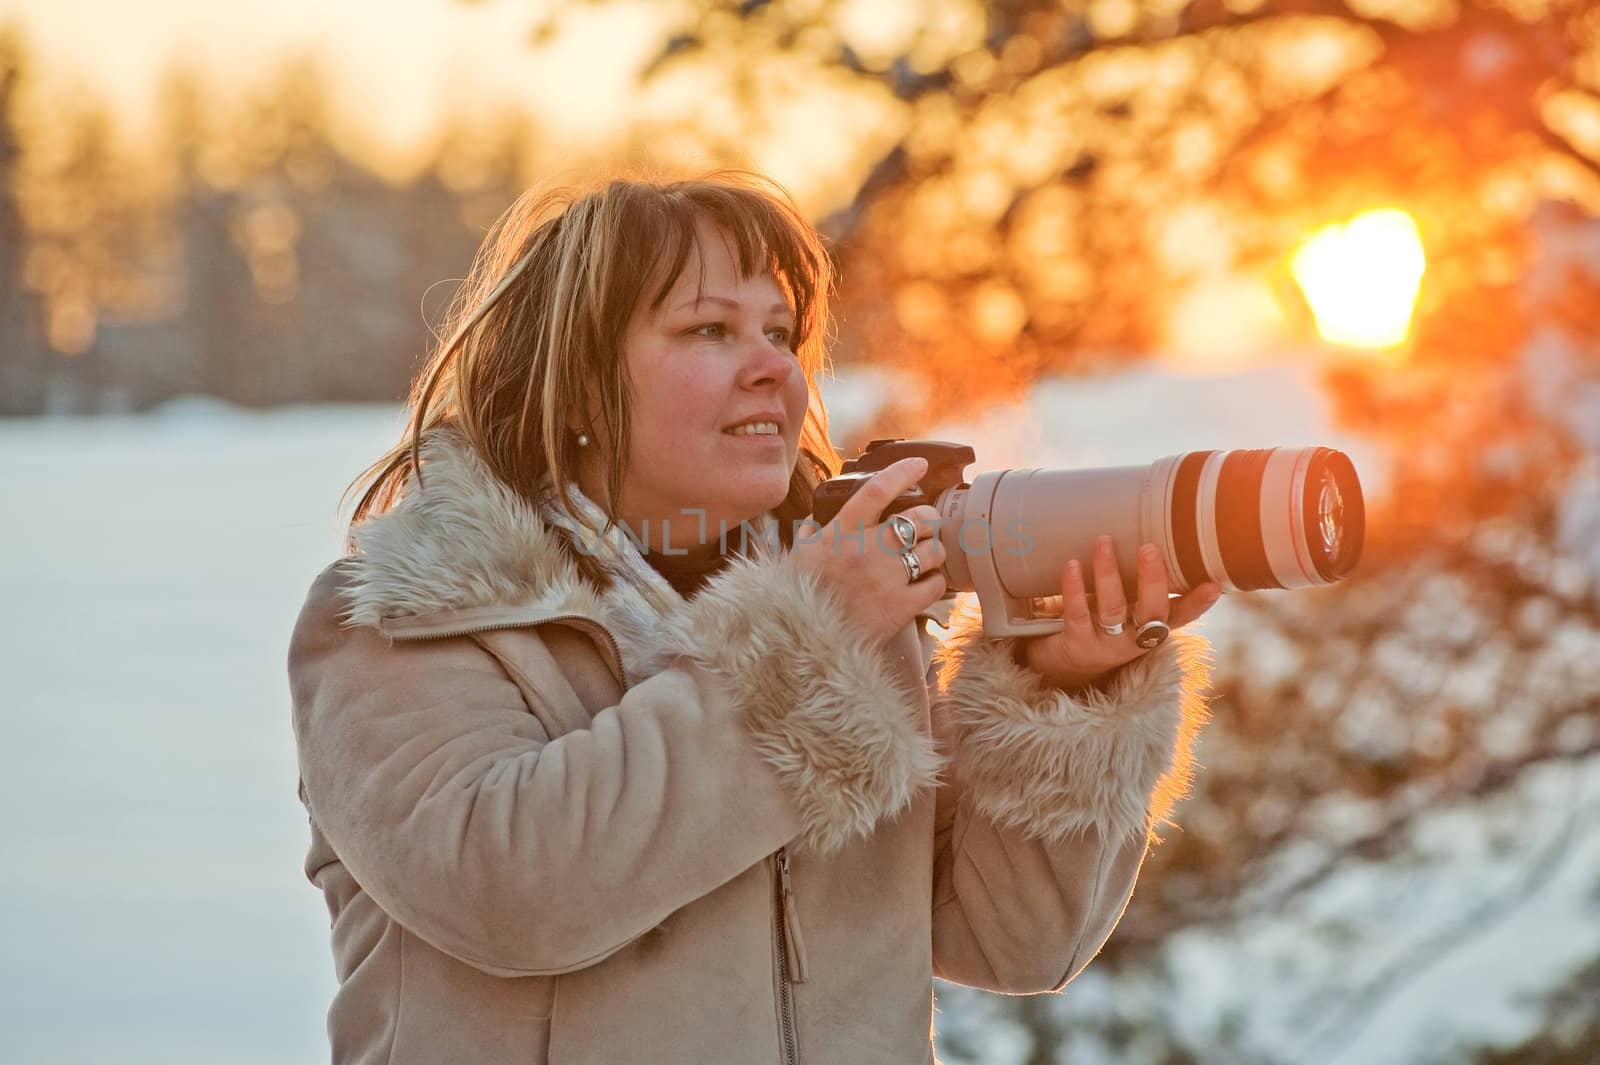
column 795, row 946
column 791, row 953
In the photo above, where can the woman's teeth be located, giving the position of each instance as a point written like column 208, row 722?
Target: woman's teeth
column 754, row 429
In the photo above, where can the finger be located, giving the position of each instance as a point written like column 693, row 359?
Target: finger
column 930, row 553
column 862, row 509
column 926, row 516
column 923, row 516
column 1153, row 603
column 1190, row 606
column 1048, row 606
column 929, row 590
column 1076, row 621
column 1111, row 602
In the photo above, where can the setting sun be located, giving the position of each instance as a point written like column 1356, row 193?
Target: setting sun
column 1361, row 278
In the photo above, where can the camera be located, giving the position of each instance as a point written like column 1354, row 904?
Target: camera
column 1247, row 519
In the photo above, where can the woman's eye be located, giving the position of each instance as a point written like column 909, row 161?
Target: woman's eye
column 779, row 334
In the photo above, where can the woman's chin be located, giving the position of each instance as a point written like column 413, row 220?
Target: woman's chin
column 758, row 500
column 754, row 489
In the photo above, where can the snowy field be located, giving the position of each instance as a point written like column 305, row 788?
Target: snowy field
column 151, row 893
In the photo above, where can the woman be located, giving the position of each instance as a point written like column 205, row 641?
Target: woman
column 578, row 793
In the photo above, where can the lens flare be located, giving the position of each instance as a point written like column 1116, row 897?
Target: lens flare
column 1361, row 278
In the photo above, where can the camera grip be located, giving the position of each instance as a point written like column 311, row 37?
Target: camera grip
column 946, row 460
column 831, row 496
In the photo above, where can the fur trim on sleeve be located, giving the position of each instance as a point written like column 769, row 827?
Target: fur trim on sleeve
column 820, row 705
column 1052, row 763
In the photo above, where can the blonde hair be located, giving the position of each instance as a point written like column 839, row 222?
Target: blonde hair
column 539, row 324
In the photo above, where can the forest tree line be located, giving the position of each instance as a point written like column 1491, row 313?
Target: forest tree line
column 243, row 253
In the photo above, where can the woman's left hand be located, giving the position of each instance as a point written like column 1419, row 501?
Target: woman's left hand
column 1080, row 654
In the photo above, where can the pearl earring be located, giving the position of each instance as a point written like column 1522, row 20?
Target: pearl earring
column 583, row 439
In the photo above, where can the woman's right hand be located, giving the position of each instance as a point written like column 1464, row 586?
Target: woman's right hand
column 857, row 557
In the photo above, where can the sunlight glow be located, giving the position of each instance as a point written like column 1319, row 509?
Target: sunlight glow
column 1361, row 278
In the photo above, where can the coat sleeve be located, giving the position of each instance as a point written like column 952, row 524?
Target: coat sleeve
column 1050, row 802
column 523, row 854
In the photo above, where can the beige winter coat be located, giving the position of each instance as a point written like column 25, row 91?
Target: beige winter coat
column 558, row 825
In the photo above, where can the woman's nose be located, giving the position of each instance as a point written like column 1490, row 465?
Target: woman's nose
column 766, row 363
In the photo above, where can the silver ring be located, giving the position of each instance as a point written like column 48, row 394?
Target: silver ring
column 1112, row 630
column 1152, row 633
column 913, row 566
column 905, row 530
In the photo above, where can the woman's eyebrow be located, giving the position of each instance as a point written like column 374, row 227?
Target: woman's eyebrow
column 777, row 308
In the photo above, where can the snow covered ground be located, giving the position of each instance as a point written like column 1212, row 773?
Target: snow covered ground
column 151, row 895
column 1449, row 947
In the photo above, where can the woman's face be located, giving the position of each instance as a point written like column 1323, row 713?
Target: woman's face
column 706, row 360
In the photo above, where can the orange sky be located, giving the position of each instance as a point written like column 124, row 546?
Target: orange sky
column 395, row 66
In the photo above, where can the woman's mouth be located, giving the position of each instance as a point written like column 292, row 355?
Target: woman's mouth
column 756, row 429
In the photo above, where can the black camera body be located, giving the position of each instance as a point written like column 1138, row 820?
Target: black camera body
column 947, row 464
